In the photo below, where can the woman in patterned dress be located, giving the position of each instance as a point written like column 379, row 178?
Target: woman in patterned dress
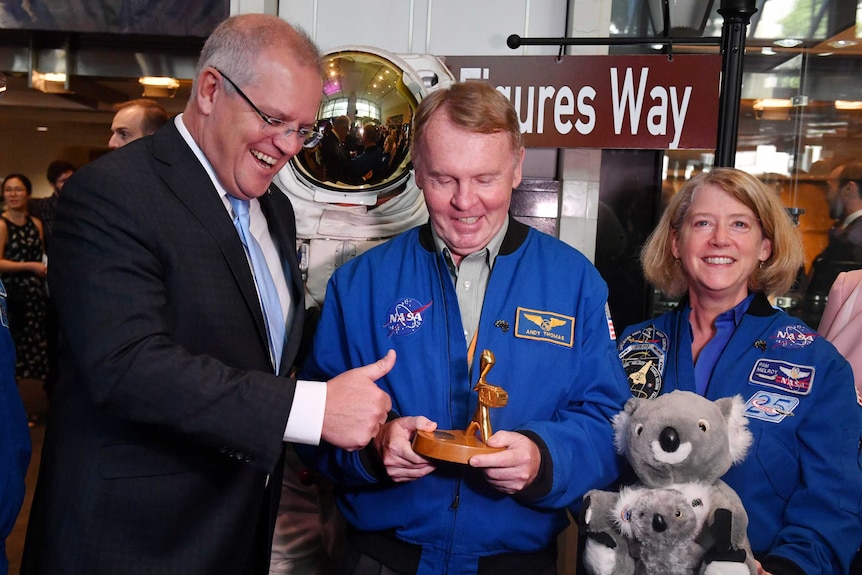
column 23, row 273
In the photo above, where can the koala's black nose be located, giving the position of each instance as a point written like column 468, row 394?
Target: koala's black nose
column 669, row 439
column 658, row 524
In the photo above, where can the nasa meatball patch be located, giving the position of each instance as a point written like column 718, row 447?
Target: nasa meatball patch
column 405, row 316
column 793, row 337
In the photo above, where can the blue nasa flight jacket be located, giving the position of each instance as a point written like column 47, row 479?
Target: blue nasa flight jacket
column 14, row 436
column 545, row 320
column 801, row 482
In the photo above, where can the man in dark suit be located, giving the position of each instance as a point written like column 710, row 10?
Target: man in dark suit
column 58, row 173
column 844, row 250
column 366, row 165
column 336, row 160
column 164, row 447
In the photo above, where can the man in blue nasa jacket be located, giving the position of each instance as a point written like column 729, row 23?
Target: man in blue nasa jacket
column 472, row 279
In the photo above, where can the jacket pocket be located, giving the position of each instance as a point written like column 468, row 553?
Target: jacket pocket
column 123, row 460
column 779, row 463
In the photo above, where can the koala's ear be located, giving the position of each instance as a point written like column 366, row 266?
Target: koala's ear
column 738, row 436
column 621, row 423
column 632, row 404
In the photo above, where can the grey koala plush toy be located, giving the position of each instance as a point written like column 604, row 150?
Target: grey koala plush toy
column 685, row 442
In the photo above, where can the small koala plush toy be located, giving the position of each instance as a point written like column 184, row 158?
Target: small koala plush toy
column 679, row 442
column 662, row 526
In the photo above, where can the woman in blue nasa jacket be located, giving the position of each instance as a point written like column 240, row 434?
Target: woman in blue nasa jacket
column 14, row 436
column 726, row 243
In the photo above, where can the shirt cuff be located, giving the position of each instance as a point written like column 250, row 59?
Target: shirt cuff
column 305, row 422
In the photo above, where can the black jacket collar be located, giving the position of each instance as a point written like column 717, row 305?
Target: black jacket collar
column 515, row 236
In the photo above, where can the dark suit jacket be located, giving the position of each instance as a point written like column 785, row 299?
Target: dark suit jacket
column 842, row 253
column 336, row 162
column 44, row 208
column 165, row 436
column 370, row 160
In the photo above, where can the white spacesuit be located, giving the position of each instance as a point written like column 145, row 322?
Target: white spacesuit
column 329, row 235
column 335, row 222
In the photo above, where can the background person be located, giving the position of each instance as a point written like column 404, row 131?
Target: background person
column 23, row 274
column 368, row 163
column 726, row 242
column 842, row 325
column 58, row 173
column 844, row 250
column 164, row 450
column 390, row 146
column 14, row 437
column 842, row 321
column 135, row 119
column 424, row 294
column 336, row 158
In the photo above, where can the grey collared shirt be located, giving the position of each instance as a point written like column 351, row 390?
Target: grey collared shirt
column 471, row 278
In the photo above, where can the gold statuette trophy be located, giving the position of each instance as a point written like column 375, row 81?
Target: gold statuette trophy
column 459, row 446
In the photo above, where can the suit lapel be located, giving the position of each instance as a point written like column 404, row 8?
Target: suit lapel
column 187, row 179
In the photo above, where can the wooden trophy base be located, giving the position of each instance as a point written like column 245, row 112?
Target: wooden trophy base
column 450, row 445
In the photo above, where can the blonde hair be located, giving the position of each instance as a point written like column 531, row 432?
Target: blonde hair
column 774, row 276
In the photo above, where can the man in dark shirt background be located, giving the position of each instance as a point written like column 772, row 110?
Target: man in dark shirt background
column 370, row 161
column 844, row 250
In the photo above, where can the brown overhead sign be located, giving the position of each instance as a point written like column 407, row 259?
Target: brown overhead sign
column 643, row 102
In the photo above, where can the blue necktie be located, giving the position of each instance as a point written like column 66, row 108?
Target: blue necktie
column 270, row 303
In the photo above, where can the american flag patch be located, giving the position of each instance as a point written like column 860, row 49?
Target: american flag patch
column 611, row 331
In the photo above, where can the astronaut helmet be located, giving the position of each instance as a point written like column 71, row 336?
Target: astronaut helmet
column 369, row 98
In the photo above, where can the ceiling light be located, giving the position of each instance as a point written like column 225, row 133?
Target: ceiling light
column 162, row 81
column 788, row 42
column 772, row 108
column 49, row 82
column 848, row 105
column 767, row 51
column 159, row 86
column 765, row 103
column 842, row 43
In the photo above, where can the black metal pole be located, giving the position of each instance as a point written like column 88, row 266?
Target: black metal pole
column 736, row 14
column 514, row 41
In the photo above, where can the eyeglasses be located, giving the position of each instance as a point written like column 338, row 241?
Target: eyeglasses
column 275, row 127
column 15, row 190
